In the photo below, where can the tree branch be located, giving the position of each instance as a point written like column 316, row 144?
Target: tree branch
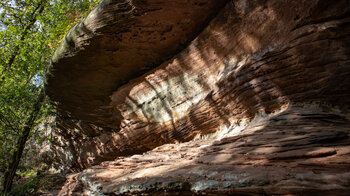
column 7, row 122
column 37, row 11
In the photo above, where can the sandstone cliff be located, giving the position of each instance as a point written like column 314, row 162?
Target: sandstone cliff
column 222, row 97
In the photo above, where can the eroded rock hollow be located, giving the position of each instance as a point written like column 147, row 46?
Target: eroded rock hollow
column 205, row 97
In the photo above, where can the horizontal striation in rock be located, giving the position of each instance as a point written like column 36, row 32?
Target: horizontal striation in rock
column 118, row 41
column 254, row 56
column 246, row 61
column 289, row 152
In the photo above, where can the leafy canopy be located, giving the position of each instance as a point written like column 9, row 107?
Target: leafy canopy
column 30, row 31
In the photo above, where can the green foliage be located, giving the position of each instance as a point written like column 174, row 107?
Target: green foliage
column 27, row 188
column 27, row 173
column 41, row 183
column 30, row 31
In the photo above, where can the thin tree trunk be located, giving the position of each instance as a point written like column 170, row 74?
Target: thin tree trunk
column 14, row 162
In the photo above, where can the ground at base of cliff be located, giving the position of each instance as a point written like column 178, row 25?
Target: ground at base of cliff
column 48, row 184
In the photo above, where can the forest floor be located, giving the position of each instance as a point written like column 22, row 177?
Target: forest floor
column 42, row 184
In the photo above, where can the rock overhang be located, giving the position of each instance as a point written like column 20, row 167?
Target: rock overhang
column 253, row 56
column 118, row 41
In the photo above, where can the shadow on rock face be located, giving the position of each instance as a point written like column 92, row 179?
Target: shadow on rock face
column 254, row 57
column 279, row 153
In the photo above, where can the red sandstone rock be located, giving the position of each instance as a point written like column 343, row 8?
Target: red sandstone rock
column 278, row 154
column 254, row 57
column 118, row 41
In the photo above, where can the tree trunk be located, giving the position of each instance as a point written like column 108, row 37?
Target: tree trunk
column 14, row 162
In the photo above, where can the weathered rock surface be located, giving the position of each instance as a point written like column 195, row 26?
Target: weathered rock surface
column 118, row 41
column 303, row 150
column 254, row 57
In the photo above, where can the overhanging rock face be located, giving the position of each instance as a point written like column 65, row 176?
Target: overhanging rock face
column 118, row 41
column 283, row 63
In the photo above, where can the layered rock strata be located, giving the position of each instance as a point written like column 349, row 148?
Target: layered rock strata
column 278, row 154
column 254, row 57
column 118, row 41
